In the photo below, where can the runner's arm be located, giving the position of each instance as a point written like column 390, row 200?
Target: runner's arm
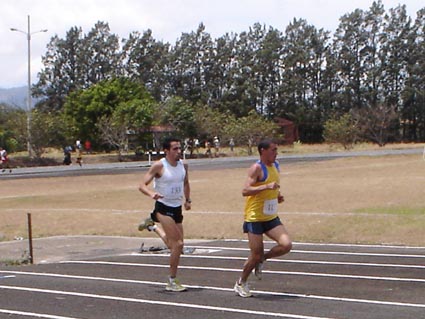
column 255, row 174
column 188, row 201
column 154, row 171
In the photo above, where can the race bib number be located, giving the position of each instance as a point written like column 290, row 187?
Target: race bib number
column 270, row 207
column 174, row 190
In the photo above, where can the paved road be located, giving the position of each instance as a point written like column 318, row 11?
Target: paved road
column 313, row 281
column 195, row 164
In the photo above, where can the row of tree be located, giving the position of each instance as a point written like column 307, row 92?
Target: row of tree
column 373, row 64
column 111, row 118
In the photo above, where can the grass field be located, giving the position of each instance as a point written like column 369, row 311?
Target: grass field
column 351, row 200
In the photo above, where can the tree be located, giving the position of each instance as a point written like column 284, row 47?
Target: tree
column 77, row 62
column 46, row 131
column 102, row 54
column 249, row 130
column 63, row 70
column 13, row 132
column 396, row 47
column 301, row 90
column 145, row 60
column 180, row 115
column 221, row 72
column 341, row 129
column 210, row 122
column 376, row 124
column 299, row 74
column 413, row 107
column 189, row 65
column 120, row 102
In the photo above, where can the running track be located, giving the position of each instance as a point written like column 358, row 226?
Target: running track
column 313, row 281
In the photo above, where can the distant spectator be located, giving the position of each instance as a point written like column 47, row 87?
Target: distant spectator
column 196, row 145
column 67, row 155
column 4, row 161
column 208, row 148
column 217, row 145
column 79, row 156
column 87, row 146
column 231, row 144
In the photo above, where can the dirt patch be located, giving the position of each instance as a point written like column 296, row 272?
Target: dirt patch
column 353, row 200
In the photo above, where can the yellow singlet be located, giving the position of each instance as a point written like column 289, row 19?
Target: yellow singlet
column 262, row 207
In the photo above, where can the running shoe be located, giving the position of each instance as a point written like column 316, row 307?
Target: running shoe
column 242, row 289
column 146, row 223
column 258, row 271
column 188, row 250
column 174, row 285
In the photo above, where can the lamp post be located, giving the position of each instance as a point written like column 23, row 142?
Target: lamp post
column 28, row 34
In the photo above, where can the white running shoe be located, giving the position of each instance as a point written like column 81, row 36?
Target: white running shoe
column 242, row 289
column 174, row 285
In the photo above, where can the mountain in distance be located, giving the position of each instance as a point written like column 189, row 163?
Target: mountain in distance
column 16, row 97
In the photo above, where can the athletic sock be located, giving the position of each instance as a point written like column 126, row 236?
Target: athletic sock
column 152, row 228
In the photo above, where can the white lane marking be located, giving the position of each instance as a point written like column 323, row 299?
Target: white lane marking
column 164, row 303
column 312, row 274
column 5, row 277
column 33, row 314
column 315, row 252
column 282, row 260
column 334, row 244
column 272, row 293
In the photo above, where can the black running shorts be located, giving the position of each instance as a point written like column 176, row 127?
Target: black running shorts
column 174, row 212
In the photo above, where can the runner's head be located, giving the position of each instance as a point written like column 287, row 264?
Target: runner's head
column 268, row 151
column 172, row 148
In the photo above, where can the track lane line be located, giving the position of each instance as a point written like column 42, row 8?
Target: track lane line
column 314, row 252
column 313, row 274
column 164, row 303
column 283, row 294
column 34, row 314
column 282, row 260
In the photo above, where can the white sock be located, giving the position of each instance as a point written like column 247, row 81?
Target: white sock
column 152, row 228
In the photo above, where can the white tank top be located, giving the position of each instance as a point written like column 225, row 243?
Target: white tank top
column 171, row 183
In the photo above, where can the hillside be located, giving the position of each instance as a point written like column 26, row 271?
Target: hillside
column 16, row 97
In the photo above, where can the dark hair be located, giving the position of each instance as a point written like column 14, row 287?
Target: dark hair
column 167, row 142
column 265, row 144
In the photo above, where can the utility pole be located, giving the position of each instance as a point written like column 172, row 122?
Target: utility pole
column 29, row 103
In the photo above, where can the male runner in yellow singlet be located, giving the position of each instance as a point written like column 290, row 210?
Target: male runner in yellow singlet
column 262, row 190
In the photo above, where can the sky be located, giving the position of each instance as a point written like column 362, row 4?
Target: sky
column 167, row 19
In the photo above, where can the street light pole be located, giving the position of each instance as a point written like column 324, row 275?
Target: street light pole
column 28, row 35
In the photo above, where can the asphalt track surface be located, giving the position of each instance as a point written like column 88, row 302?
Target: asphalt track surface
column 194, row 164
column 312, row 281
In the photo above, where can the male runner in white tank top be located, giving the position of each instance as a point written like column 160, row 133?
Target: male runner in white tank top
column 171, row 183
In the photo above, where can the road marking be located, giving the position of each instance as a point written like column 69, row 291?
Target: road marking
column 5, row 277
column 296, row 273
column 334, row 244
column 164, row 303
column 33, row 314
column 280, row 260
column 316, row 252
column 272, row 293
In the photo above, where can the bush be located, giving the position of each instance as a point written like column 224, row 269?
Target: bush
column 341, row 130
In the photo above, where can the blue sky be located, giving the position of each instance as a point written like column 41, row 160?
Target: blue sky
column 167, row 19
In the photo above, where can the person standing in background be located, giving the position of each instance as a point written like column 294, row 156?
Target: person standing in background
column 4, row 160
